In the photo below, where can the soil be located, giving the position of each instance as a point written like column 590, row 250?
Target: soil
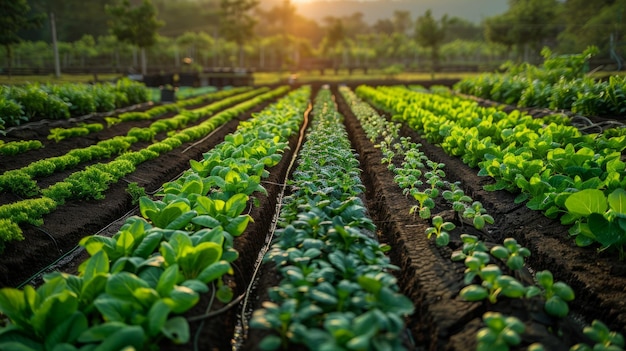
column 442, row 320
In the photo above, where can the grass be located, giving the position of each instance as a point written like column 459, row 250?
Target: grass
column 260, row 78
column 263, row 78
column 65, row 78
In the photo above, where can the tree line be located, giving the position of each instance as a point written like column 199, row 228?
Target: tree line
column 193, row 34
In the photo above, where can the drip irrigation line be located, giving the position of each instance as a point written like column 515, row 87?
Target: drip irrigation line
column 77, row 249
column 72, row 253
column 204, row 139
column 52, row 123
column 243, row 320
column 196, row 337
column 56, row 244
column 207, row 315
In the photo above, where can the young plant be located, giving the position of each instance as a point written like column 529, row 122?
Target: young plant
column 440, row 229
column 471, row 245
column 512, row 253
column 604, row 338
column 493, row 284
column 557, row 294
column 500, row 332
column 478, row 214
column 426, row 203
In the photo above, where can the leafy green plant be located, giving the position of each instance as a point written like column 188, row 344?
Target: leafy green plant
column 604, row 338
column 135, row 192
column 500, row 332
column 17, row 147
column 511, row 252
column 426, row 204
column 440, row 229
column 58, row 134
column 557, row 294
column 478, row 215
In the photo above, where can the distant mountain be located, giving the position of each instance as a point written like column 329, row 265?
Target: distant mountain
column 373, row 10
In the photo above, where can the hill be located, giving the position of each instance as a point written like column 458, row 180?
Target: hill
column 373, row 10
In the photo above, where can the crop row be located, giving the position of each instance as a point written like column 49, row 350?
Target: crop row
column 93, row 181
column 17, row 147
column 33, row 101
column 552, row 165
column 21, row 182
column 484, row 280
column 133, row 290
column 336, row 292
column 559, row 84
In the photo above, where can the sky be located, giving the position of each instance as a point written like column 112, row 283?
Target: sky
column 373, row 10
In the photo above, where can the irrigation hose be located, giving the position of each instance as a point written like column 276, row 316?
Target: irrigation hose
column 73, row 250
column 243, row 320
column 196, row 337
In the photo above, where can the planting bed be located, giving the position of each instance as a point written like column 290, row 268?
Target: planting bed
column 442, row 319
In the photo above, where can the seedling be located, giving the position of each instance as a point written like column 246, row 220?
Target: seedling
column 440, row 230
column 500, row 332
column 471, row 244
column 425, row 204
column 478, row 214
column 556, row 294
column 606, row 340
column 512, row 253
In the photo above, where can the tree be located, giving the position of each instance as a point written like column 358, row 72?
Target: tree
column 14, row 16
column 237, row 23
column 498, row 30
column 431, row 33
column 526, row 25
column 402, row 21
column 136, row 25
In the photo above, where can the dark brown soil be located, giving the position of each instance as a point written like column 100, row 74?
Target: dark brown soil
column 442, row 320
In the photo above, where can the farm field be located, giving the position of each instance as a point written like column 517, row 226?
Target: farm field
column 440, row 318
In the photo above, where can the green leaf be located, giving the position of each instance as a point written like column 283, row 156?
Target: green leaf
column 177, row 330
column 100, row 332
column 157, row 316
column 181, row 299
column 68, row 331
column 606, row 233
column 370, row 284
column 586, row 202
column 555, row 306
column 167, row 280
column 206, row 221
column 96, row 264
column 563, row 291
column 214, row 271
column 270, row 343
column 474, row 293
column 149, row 244
column 147, row 207
column 181, row 221
column 13, row 305
column 238, row 225
column 131, row 335
column 124, row 243
column 224, row 293
column 123, row 285
column 617, row 202
column 54, row 310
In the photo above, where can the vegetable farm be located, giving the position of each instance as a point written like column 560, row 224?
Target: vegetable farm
column 320, row 217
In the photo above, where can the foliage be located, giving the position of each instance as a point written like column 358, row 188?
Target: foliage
column 17, row 147
column 336, row 292
column 58, row 134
